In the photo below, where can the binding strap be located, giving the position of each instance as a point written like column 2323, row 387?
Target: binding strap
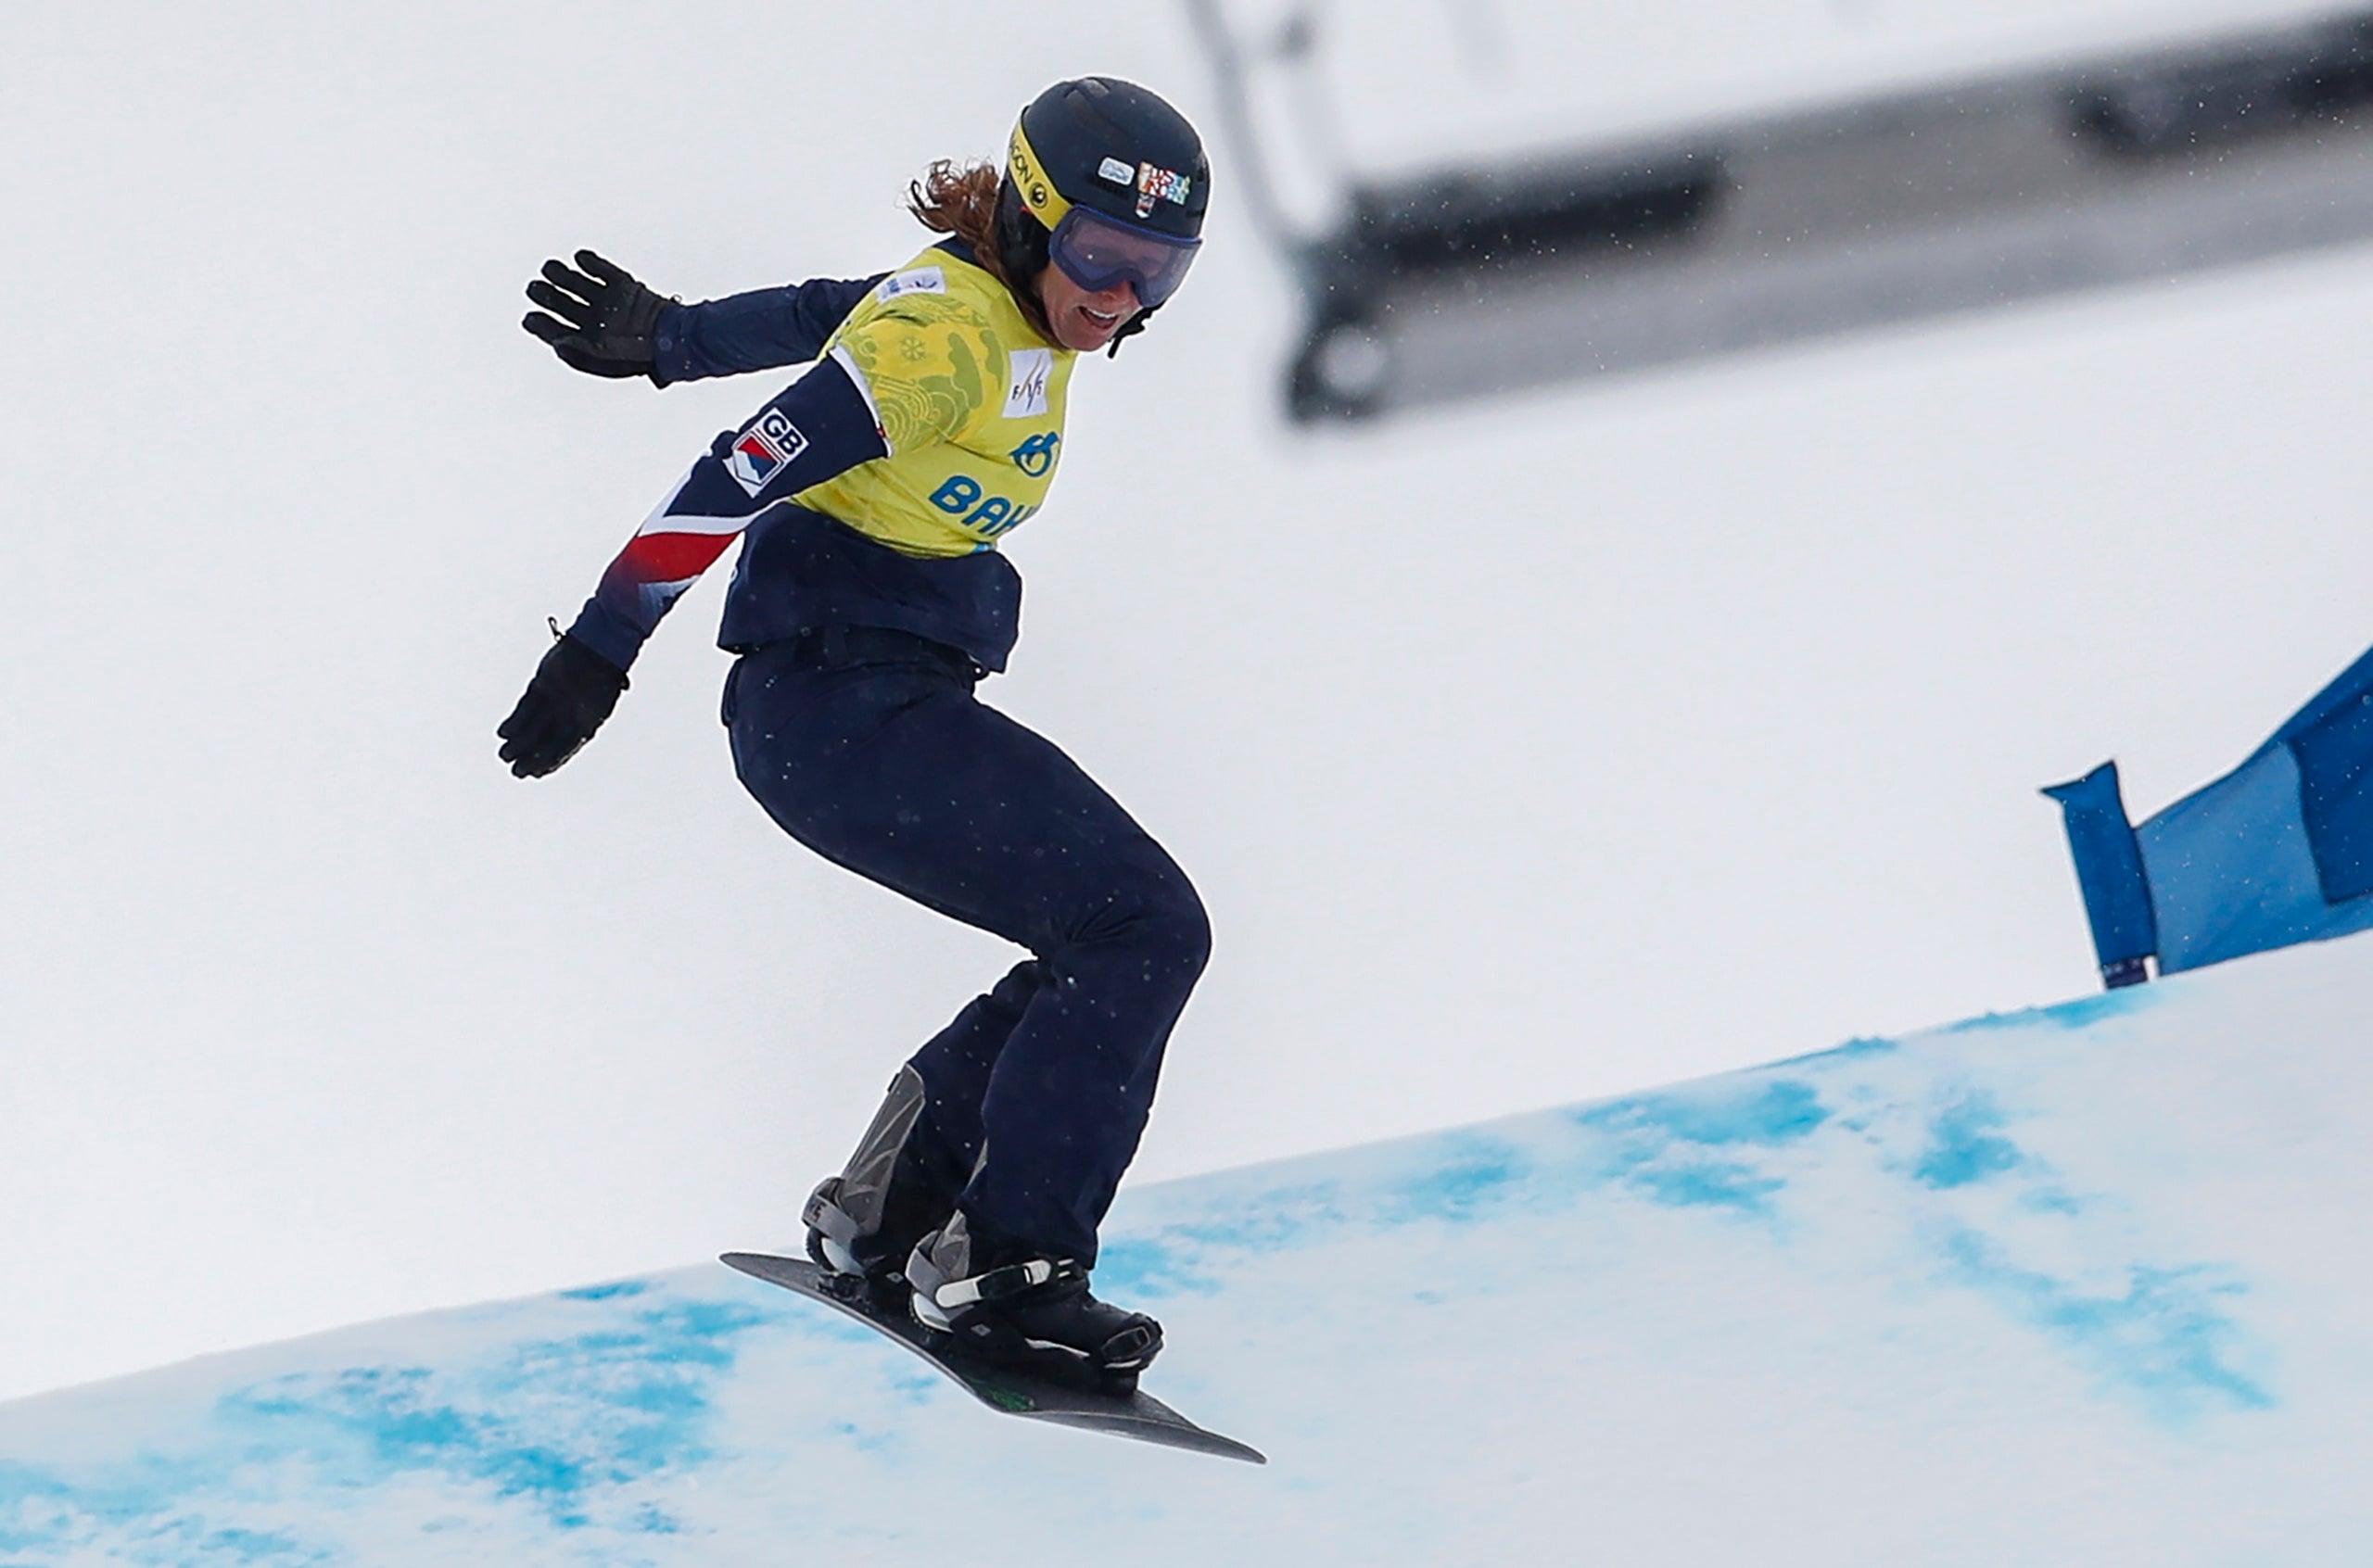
column 1003, row 1285
column 827, row 1218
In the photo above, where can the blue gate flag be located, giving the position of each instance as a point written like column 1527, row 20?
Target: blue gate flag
column 2109, row 868
column 2332, row 737
column 2278, row 850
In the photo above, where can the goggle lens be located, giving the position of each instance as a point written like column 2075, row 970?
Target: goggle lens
column 1098, row 253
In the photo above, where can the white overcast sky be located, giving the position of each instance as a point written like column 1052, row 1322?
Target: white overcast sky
column 1525, row 753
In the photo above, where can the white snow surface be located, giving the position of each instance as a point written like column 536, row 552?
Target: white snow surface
column 1525, row 756
column 2070, row 1286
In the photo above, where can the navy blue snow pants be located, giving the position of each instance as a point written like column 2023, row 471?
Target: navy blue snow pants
column 870, row 748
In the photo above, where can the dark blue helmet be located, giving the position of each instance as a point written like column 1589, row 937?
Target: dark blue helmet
column 1114, row 147
column 1108, row 182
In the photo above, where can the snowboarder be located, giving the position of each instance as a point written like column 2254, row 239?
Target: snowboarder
column 868, row 603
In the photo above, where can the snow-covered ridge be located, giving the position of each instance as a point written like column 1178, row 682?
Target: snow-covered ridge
column 2059, row 1286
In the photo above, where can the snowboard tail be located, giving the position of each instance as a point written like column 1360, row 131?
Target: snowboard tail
column 1018, row 1391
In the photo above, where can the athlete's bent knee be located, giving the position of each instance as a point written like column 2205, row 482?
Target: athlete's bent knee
column 1181, row 929
column 1156, row 921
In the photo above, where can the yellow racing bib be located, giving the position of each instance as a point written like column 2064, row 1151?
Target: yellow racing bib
column 970, row 400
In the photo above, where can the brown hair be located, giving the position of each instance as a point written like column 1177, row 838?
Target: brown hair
column 961, row 199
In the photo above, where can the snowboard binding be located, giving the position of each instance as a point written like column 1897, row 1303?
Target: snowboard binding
column 894, row 1192
column 857, row 1260
column 1026, row 1311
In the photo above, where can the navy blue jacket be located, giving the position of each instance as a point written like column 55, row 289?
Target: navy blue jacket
column 799, row 570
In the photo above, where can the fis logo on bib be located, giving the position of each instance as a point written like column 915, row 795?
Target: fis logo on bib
column 760, row 452
column 1037, row 455
column 1025, row 395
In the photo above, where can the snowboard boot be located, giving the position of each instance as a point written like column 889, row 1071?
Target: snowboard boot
column 864, row 1222
column 1006, row 1301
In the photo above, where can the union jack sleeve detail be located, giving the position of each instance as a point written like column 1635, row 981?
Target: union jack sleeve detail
column 821, row 425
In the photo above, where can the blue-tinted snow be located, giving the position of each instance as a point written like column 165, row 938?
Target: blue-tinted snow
column 2051, row 1278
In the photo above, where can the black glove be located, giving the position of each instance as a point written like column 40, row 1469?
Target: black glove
column 605, row 319
column 573, row 691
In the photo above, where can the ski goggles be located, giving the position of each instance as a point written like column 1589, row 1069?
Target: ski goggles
column 1098, row 253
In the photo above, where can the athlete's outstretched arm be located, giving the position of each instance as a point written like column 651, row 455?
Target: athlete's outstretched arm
column 822, row 425
column 766, row 328
column 599, row 319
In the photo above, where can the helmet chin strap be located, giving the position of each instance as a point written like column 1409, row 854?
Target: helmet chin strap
column 1129, row 328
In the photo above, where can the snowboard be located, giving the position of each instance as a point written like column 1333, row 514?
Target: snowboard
column 1017, row 1391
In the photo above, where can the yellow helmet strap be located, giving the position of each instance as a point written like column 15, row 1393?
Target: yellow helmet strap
column 1029, row 175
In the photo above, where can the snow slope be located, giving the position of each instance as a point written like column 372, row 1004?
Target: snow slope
column 2076, row 1285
